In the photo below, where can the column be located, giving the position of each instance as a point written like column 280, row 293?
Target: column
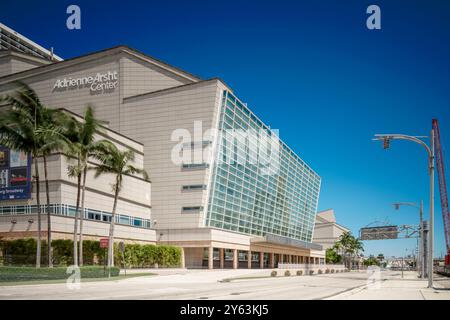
column 210, row 258
column 183, row 263
column 249, row 259
column 281, row 259
column 261, row 260
column 235, row 259
column 221, row 257
column 272, row 260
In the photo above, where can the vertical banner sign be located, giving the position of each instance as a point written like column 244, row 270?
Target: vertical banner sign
column 15, row 174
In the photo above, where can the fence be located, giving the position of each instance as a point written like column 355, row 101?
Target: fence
column 442, row 270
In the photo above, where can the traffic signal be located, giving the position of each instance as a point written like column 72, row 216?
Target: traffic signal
column 386, row 143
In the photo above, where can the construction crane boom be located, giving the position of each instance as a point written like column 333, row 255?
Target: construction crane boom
column 442, row 187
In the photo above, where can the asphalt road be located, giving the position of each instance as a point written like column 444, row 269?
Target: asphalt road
column 204, row 284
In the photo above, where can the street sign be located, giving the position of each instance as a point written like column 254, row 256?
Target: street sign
column 379, row 233
column 104, row 243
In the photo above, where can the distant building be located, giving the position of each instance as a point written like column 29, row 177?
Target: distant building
column 12, row 40
column 326, row 230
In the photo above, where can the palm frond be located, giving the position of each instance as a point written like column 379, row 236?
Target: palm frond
column 132, row 170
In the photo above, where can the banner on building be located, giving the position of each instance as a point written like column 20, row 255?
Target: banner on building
column 15, row 174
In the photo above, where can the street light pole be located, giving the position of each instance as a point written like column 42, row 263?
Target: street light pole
column 422, row 243
column 430, row 151
column 420, row 262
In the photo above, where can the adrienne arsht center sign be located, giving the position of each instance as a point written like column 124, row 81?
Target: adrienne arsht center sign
column 97, row 83
column 15, row 174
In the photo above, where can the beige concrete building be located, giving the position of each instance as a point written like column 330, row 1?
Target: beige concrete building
column 327, row 231
column 18, row 218
column 222, row 214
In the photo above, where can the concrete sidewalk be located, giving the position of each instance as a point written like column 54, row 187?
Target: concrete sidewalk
column 391, row 286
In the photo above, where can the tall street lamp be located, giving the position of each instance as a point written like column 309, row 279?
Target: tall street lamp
column 386, row 138
column 421, row 242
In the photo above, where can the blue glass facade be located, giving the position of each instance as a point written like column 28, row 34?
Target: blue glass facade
column 259, row 186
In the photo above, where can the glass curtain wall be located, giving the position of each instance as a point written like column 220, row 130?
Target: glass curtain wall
column 259, row 185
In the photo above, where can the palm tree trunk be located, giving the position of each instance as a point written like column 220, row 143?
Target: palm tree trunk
column 75, row 225
column 111, row 230
column 80, row 258
column 38, row 201
column 49, row 222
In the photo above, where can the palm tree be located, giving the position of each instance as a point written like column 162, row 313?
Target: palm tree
column 116, row 162
column 63, row 133
column 73, row 136
column 356, row 247
column 18, row 131
column 84, row 146
column 349, row 246
column 48, row 133
column 75, row 171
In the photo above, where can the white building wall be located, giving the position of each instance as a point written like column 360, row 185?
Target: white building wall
column 19, row 65
column 5, row 66
column 106, row 105
column 152, row 119
column 142, row 77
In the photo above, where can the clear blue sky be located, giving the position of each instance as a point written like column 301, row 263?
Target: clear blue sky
column 309, row 68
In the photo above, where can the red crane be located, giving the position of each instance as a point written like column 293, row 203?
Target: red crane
column 442, row 187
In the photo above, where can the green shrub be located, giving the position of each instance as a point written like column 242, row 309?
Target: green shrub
column 299, row 272
column 92, row 253
column 31, row 273
column 19, row 252
column 311, row 272
column 22, row 252
column 332, row 270
column 327, row 270
column 273, row 273
column 147, row 255
column 287, row 273
column 63, row 252
column 320, row 271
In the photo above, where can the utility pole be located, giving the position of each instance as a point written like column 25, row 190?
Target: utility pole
column 421, row 243
column 421, row 261
column 425, row 247
column 403, row 265
column 430, row 152
column 431, row 235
